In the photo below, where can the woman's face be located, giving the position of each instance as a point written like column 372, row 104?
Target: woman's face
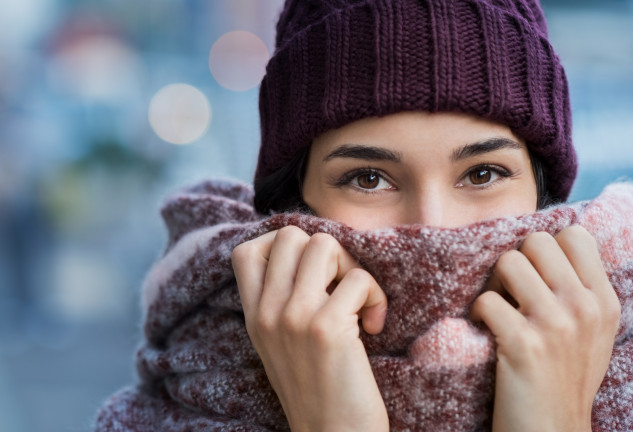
column 440, row 169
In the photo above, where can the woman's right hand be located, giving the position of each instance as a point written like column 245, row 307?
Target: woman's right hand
column 307, row 334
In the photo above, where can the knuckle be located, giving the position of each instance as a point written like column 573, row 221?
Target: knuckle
column 323, row 240
column 591, row 312
column 577, row 231
column 360, row 276
column 320, row 329
column 291, row 233
column 530, row 344
column 510, row 259
column 564, row 326
column 599, row 312
column 613, row 310
column 484, row 304
column 243, row 253
column 536, row 241
column 264, row 324
column 291, row 320
column 576, row 234
column 486, row 299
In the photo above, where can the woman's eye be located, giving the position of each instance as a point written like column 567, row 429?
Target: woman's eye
column 370, row 181
column 484, row 175
column 480, row 176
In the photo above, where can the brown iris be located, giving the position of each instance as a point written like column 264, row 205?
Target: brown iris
column 480, row 176
column 368, row 181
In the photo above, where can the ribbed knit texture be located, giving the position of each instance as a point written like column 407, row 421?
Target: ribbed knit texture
column 338, row 61
column 200, row 372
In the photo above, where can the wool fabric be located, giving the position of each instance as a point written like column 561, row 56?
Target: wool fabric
column 198, row 369
column 337, row 61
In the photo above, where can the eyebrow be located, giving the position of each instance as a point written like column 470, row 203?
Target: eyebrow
column 482, row 147
column 365, row 152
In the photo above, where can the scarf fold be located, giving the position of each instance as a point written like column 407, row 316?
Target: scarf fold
column 199, row 371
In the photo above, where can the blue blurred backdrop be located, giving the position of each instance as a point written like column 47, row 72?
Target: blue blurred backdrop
column 108, row 105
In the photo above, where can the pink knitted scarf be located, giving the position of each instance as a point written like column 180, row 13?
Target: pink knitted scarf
column 198, row 370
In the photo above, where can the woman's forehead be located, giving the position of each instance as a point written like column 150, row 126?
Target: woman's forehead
column 451, row 133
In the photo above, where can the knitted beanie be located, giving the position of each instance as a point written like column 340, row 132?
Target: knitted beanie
column 337, row 61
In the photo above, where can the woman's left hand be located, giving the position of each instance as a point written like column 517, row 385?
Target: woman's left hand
column 553, row 350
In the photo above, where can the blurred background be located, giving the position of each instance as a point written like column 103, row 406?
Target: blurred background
column 106, row 106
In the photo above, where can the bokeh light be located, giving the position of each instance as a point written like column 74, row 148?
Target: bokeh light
column 179, row 113
column 238, row 60
column 97, row 68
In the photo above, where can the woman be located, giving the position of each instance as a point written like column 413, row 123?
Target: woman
column 552, row 351
column 403, row 155
column 401, row 131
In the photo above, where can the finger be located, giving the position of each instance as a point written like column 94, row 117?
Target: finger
column 498, row 315
column 514, row 273
column 551, row 262
column 250, row 261
column 581, row 250
column 494, row 284
column 359, row 293
column 283, row 261
column 324, row 261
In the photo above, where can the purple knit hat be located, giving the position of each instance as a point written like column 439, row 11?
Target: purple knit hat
column 337, row 61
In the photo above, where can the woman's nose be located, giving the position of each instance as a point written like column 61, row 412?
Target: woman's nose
column 439, row 207
column 430, row 208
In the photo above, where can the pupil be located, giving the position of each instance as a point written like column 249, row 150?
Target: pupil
column 368, row 181
column 480, row 177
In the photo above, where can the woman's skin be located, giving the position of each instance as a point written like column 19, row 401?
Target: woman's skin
column 440, row 169
column 444, row 170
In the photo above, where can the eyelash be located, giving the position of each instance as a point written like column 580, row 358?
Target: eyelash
column 502, row 172
column 347, row 178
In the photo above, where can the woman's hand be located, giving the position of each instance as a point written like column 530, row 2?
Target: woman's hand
column 554, row 349
column 307, row 338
